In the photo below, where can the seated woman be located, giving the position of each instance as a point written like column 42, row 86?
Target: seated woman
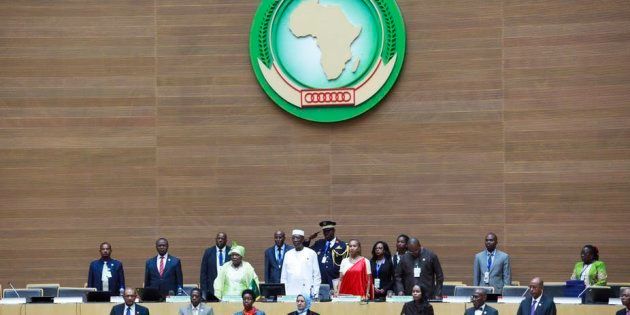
column 382, row 269
column 590, row 270
column 248, row 304
column 419, row 305
column 355, row 272
column 303, row 306
column 235, row 275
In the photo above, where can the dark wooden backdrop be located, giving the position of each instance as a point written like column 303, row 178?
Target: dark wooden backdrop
column 126, row 120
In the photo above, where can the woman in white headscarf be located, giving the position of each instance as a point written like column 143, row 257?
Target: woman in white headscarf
column 235, row 276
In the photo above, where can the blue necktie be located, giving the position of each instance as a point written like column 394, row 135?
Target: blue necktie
column 128, row 310
column 279, row 256
column 533, row 310
column 489, row 261
column 326, row 249
column 220, row 257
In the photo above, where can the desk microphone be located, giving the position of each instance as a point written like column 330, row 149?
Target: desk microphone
column 523, row 295
column 14, row 290
column 580, row 295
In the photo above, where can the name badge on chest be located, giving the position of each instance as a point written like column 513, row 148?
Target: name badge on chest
column 417, row 271
column 486, row 277
column 377, row 283
column 324, row 259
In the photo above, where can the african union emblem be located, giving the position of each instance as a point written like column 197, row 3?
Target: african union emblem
column 327, row 60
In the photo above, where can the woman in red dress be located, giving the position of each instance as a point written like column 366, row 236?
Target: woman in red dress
column 356, row 274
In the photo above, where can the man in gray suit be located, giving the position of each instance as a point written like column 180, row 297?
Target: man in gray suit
column 492, row 266
column 196, row 307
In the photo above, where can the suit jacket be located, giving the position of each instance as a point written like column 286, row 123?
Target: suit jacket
column 500, row 271
column 209, row 270
column 329, row 270
column 116, row 282
column 386, row 274
column 486, row 311
column 431, row 275
column 172, row 278
column 621, row 311
column 273, row 269
column 309, row 312
column 203, row 310
column 546, row 306
column 119, row 309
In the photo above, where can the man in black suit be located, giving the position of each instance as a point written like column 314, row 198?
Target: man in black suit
column 164, row 271
column 419, row 266
column 479, row 304
column 274, row 256
column 537, row 303
column 625, row 300
column 213, row 258
column 129, row 307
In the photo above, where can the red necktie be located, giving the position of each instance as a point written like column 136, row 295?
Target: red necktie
column 161, row 266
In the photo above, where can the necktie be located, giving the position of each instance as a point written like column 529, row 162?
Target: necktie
column 220, row 257
column 326, row 249
column 161, row 266
column 105, row 274
column 533, row 309
column 489, row 261
column 279, row 256
column 128, row 311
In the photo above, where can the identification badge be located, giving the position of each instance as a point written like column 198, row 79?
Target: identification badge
column 417, row 271
column 324, row 259
column 377, row 283
column 486, row 277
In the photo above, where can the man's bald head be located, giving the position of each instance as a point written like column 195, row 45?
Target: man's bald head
column 414, row 247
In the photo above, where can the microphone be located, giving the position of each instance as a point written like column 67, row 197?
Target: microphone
column 14, row 290
column 580, row 295
column 523, row 295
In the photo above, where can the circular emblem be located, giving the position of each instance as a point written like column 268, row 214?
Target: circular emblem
column 327, row 60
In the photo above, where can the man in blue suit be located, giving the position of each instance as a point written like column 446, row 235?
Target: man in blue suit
column 274, row 256
column 164, row 271
column 106, row 274
column 479, row 304
column 492, row 266
column 537, row 303
column 330, row 252
column 213, row 258
column 129, row 307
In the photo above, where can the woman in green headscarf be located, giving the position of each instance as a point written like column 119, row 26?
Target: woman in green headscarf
column 236, row 275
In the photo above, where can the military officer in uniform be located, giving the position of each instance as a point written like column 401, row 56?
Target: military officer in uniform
column 330, row 252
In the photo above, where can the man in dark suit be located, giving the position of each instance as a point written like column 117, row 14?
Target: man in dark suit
column 129, row 307
column 625, row 300
column 479, row 304
column 106, row 274
column 537, row 303
column 274, row 256
column 330, row 252
column 164, row 271
column 213, row 258
column 419, row 266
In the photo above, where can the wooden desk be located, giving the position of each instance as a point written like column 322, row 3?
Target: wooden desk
column 284, row 308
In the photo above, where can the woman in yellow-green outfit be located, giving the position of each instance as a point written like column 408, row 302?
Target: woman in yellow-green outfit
column 590, row 270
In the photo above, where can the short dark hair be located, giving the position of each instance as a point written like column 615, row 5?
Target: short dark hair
column 250, row 292
column 195, row 289
column 405, row 236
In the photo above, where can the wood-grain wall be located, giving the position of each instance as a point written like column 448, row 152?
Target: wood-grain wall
column 127, row 120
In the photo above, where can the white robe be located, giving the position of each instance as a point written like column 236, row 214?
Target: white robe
column 300, row 272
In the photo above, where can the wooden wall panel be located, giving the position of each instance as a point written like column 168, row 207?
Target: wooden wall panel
column 129, row 120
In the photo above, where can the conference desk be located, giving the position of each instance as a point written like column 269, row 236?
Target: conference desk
column 284, row 308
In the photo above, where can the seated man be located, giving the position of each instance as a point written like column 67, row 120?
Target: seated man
column 537, row 303
column 479, row 304
column 196, row 307
column 129, row 307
